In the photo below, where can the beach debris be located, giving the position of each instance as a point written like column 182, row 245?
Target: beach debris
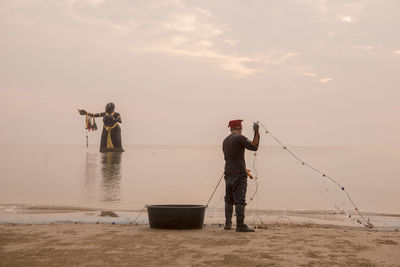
column 108, row 214
column 369, row 225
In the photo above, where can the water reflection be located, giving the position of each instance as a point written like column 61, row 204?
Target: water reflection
column 111, row 172
column 91, row 169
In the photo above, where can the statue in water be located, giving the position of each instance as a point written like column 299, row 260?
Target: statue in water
column 111, row 134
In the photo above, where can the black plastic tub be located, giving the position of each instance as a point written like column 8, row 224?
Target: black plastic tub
column 176, row 216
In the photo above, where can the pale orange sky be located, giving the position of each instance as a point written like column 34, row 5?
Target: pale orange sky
column 316, row 72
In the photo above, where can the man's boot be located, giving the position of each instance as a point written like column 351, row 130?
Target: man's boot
column 240, row 226
column 228, row 216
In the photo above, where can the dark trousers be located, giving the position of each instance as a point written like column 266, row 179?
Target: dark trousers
column 236, row 188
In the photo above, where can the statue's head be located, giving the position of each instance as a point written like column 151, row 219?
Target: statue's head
column 110, row 107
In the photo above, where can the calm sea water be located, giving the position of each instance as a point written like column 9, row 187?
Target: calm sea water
column 73, row 177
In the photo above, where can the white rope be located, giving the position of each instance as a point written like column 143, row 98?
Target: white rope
column 140, row 213
column 215, row 189
column 254, row 179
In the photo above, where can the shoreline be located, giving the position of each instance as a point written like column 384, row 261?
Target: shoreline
column 64, row 215
column 278, row 244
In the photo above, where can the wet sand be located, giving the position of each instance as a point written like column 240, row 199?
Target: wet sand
column 117, row 245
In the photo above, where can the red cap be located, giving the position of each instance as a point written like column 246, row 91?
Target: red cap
column 235, row 124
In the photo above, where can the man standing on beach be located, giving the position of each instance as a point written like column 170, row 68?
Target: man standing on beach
column 236, row 174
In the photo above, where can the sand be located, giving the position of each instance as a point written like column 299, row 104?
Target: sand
column 124, row 245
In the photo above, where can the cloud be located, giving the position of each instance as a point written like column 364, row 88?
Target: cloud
column 92, row 2
column 347, row 19
column 171, row 27
column 366, row 48
column 184, row 23
column 325, row 80
column 307, row 71
column 319, row 5
column 239, row 65
column 231, row 42
column 191, row 23
column 196, row 32
column 227, row 62
column 283, row 58
column 309, row 74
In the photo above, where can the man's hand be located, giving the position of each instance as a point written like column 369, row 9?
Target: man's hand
column 256, row 138
column 249, row 174
column 256, row 127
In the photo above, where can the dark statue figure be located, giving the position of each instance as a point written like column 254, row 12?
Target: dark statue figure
column 111, row 134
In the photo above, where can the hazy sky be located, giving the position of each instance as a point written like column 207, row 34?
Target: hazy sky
column 316, row 72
